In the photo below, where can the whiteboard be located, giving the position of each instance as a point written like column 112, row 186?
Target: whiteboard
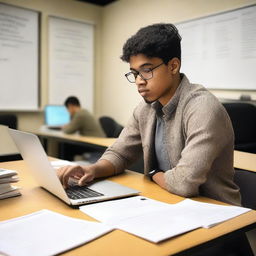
column 219, row 51
column 19, row 58
column 70, row 61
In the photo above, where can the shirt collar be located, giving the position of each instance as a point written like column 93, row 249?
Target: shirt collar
column 173, row 102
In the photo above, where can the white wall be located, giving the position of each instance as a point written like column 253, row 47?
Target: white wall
column 63, row 8
column 121, row 20
column 114, row 24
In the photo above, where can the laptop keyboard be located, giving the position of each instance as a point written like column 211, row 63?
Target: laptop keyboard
column 77, row 192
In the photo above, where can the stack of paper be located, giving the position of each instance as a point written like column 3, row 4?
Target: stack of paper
column 156, row 221
column 7, row 177
column 45, row 233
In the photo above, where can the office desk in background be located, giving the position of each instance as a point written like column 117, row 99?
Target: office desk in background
column 61, row 145
column 54, row 141
column 242, row 160
column 118, row 242
column 245, row 161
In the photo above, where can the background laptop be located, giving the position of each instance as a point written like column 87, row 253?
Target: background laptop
column 56, row 116
column 40, row 167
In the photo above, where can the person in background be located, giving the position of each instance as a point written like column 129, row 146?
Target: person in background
column 81, row 120
column 182, row 130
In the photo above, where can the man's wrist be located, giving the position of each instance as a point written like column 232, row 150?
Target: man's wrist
column 152, row 173
column 159, row 179
column 96, row 170
column 103, row 168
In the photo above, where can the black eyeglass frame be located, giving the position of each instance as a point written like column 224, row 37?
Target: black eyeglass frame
column 136, row 73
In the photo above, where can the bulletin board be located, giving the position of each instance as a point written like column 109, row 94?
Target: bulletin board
column 71, row 61
column 19, row 58
column 219, row 51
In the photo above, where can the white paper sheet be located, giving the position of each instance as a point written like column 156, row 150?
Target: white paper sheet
column 156, row 221
column 177, row 219
column 116, row 211
column 45, row 233
column 211, row 214
column 56, row 164
column 158, row 225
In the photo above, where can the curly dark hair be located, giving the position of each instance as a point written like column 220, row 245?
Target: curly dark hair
column 160, row 40
column 72, row 100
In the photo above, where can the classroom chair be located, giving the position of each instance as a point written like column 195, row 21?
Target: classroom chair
column 246, row 181
column 111, row 128
column 240, row 245
column 9, row 120
column 243, row 118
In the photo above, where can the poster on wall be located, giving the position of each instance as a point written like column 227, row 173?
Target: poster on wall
column 219, row 51
column 70, row 61
column 19, row 58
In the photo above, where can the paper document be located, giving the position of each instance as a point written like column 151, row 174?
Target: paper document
column 4, row 188
column 56, row 164
column 144, row 217
column 7, row 173
column 113, row 212
column 177, row 219
column 7, row 177
column 211, row 214
column 9, row 194
column 9, row 180
column 156, row 221
column 45, row 233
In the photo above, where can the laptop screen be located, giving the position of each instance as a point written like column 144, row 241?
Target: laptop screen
column 56, row 115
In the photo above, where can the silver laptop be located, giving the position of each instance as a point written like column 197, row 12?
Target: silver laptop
column 40, row 167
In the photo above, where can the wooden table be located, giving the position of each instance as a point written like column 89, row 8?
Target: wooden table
column 51, row 140
column 118, row 242
column 245, row 161
column 97, row 141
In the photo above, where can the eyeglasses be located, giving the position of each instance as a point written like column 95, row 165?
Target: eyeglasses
column 145, row 74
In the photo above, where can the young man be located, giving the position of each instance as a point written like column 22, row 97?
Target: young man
column 182, row 130
column 81, row 120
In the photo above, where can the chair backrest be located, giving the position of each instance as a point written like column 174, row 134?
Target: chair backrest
column 246, row 180
column 243, row 118
column 9, row 120
column 111, row 128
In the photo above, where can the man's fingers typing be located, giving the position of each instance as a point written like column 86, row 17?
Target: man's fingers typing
column 67, row 172
column 82, row 175
column 87, row 177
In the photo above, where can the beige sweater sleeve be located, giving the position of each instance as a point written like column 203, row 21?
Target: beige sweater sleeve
column 209, row 136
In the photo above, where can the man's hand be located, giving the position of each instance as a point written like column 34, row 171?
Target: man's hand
column 81, row 174
column 85, row 174
column 159, row 179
